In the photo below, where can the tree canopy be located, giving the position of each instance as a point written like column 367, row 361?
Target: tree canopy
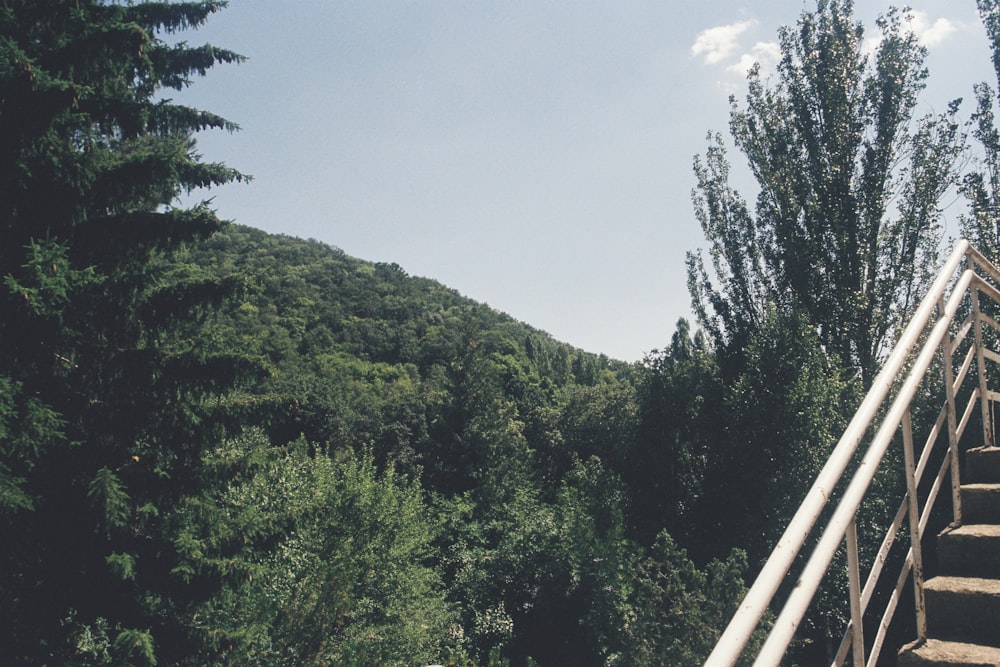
column 846, row 225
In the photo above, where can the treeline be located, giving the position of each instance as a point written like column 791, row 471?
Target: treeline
column 220, row 446
column 516, row 460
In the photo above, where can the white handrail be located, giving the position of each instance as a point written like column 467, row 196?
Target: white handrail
column 812, row 576
column 758, row 599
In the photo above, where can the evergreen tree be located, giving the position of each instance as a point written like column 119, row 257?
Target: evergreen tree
column 103, row 406
column 846, row 223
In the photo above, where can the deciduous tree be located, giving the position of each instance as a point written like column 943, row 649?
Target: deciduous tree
column 846, row 225
column 981, row 186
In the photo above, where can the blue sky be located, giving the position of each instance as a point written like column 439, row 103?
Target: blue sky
column 535, row 156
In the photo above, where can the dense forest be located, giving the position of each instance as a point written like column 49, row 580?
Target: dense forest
column 222, row 446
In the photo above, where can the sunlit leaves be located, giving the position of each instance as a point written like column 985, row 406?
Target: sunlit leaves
column 677, row 612
column 47, row 281
column 323, row 559
column 135, row 647
column 123, row 565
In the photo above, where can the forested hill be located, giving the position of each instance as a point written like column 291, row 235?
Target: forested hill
column 484, row 470
column 360, row 348
column 325, row 298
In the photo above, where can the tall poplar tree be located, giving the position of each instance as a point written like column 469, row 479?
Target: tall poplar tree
column 846, row 224
column 981, row 186
column 803, row 292
column 101, row 421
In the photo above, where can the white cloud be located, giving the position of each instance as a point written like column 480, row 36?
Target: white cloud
column 929, row 33
column 720, row 42
column 765, row 53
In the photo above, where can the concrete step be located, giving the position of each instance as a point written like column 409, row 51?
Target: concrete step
column 937, row 653
column 963, row 609
column 980, row 503
column 982, row 465
column 970, row 551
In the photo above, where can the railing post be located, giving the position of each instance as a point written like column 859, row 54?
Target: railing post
column 947, row 358
column 854, row 584
column 914, row 512
column 977, row 327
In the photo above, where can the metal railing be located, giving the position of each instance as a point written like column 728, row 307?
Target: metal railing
column 934, row 332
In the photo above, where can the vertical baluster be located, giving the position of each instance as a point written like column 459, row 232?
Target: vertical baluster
column 914, row 512
column 984, row 395
column 854, row 583
column 947, row 359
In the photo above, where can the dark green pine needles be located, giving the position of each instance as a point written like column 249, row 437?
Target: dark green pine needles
column 100, row 422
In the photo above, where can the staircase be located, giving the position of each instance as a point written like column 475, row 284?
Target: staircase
column 963, row 602
column 958, row 613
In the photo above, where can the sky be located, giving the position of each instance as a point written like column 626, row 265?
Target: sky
column 533, row 155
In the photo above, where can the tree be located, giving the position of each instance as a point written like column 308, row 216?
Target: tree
column 846, row 223
column 783, row 414
column 545, row 580
column 103, row 404
column 681, row 427
column 982, row 186
column 678, row 612
column 323, row 560
column 805, row 291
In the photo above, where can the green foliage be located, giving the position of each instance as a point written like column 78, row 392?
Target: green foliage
column 122, row 565
column 804, row 291
column 323, row 560
column 26, row 423
column 491, row 416
column 785, row 411
column 241, row 448
column 681, row 424
column 134, row 647
column 99, row 423
column 598, row 421
column 101, row 644
column 48, row 280
column 678, row 612
column 109, row 497
column 981, row 186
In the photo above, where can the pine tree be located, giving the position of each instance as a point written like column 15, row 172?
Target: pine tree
column 103, row 408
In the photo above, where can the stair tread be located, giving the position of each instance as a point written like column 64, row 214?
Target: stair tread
column 964, row 585
column 939, row 652
column 975, row 530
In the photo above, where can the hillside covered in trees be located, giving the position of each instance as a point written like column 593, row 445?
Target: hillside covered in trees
column 222, row 446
